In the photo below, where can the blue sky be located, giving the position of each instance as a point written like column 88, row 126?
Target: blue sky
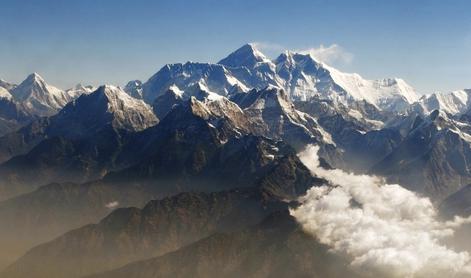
column 428, row 43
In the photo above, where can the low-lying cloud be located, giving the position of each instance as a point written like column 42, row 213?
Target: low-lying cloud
column 112, row 205
column 384, row 229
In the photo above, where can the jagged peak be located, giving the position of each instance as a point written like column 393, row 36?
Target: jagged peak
column 40, row 96
column 292, row 55
column 116, row 98
column 129, row 113
column 111, row 91
column 290, row 60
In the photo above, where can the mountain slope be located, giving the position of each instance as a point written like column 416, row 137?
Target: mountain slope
column 192, row 149
column 108, row 105
column 77, row 144
column 131, row 234
column 215, row 77
column 134, row 89
column 12, row 114
column 275, row 116
column 458, row 203
column 274, row 248
column 432, row 159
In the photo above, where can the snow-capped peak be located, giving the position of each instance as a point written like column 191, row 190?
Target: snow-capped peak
column 305, row 77
column 246, row 56
column 34, row 77
column 39, row 97
column 128, row 112
column 392, row 94
column 300, row 75
column 79, row 90
column 455, row 102
column 119, row 100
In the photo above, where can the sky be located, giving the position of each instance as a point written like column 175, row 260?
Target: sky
column 427, row 43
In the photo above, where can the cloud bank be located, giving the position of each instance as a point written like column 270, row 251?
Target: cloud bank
column 384, row 229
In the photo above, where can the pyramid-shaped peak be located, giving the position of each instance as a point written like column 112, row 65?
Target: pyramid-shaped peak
column 128, row 113
column 34, row 77
column 246, row 56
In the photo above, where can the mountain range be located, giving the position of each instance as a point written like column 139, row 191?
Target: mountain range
column 194, row 171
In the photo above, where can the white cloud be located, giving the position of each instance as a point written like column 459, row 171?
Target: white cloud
column 333, row 54
column 112, row 205
column 384, row 229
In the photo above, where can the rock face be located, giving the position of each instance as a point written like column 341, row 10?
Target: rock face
column 134, row 89
column 458, row 203
column 432, row 158
column 167, row 101
column 108, row 105
column 272, row 111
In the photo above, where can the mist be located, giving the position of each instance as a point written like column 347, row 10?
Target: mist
column 382, row 229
